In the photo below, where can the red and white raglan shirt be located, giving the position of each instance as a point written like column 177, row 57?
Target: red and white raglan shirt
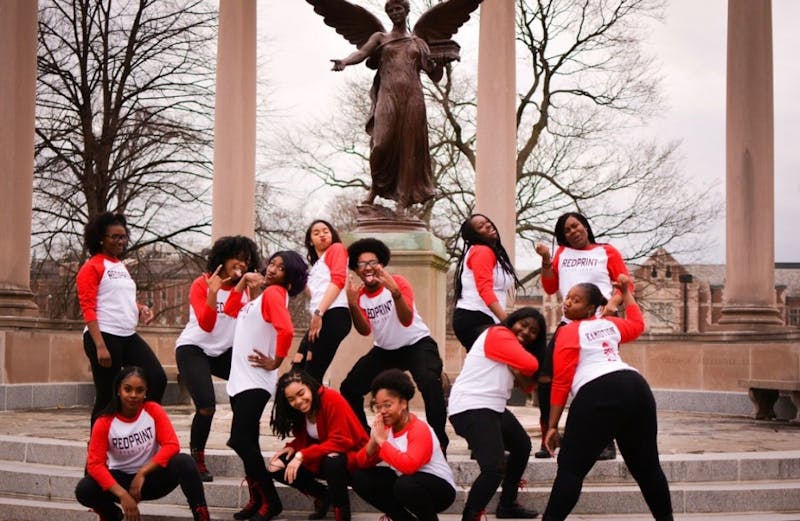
column 331, row 267
column 263, row 324
column 587, row 349
column 107, row 294
column 483, row 281
column 598, row 264
column 413, row 449
column 486, row 380
column 379, row 308
column 209, row 328
column 127, row 444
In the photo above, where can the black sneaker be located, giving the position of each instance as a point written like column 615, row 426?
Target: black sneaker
column 514, row 511
column 610, row 452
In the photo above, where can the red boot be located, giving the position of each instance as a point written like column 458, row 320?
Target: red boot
column 252, row 505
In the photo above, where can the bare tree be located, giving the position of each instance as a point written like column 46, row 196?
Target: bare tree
column 589, row 89
column 124, row 119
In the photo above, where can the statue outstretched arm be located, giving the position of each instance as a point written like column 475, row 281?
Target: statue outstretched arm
column 360, row 54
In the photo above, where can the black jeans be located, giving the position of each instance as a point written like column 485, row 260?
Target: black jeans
column 181, row 470
column 422, row 360
column 333, row 470
column 468, row 325
column 247, row 407
column 490, row 435
column 335, row 326
column 196, row 369
column 616, row 405
column 415, row 497
column 124, row 351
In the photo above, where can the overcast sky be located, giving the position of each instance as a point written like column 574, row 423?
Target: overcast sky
column 690, row 45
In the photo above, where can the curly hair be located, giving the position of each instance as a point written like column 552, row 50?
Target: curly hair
column 96, row 228
column 115, row 405
column 396, row 382
column 233, row 247
column 540, row 342
column 284, row 417
column 471, row 237
column 370, row 245
column 296, row 271
column 311, row 254
column 561, row 238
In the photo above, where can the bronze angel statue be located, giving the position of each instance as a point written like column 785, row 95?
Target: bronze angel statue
column 399, row 160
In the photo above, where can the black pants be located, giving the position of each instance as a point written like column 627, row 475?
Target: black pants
column 333, row 470
column 422, row 360
column 181, row 470
column 124, row 351
column 335, row 326
column 616, row 405
column 247, row 407
column 490, row 435
column 196, row 369
column 419, row 496
column 468, row 325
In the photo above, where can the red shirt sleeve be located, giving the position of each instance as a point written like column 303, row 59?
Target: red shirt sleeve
column 630, row 327
column 206, row 316
column 419, row 452
column 336, row 259
column 234, row 303
column 481, row 261
column 501, row 345
column 565, row 361
column 338, row 422
column 87, row 282
column 408, row 295
column 97, row 458
column 168, row 442
column 550, row 284
column 274, row 311
column 616, row 266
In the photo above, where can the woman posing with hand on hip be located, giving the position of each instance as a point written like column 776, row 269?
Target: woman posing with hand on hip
column 107, row 295
column 134, row 456
column 610, row 400
column 204, row 347
column 327, row 435
column 484, row 276
column 579, row 258
column 262, row 340
column 330, row 318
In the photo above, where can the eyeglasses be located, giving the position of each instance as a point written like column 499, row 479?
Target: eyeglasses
column 372, row 263
column 378, row 407
column 118, row 237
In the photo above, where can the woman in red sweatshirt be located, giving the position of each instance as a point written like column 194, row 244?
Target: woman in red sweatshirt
column 610, row 400
column 326, row 436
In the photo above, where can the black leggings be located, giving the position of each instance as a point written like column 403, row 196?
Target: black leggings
column 468, row 325
column 247, row 407
column 196, row 369
column 490, row 435
column 124, row 351
column 616, row 405
column 414, row 497
column 181, row 470
column 336, row 325
column 333, row 470
column 422, row 360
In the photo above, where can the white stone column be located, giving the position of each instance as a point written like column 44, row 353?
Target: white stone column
column 18, row 27
column 750, row 237
column 233, row 199
column 496, row 169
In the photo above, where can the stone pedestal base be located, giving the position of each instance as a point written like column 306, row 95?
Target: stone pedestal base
column 16, row 302
column 750, row 318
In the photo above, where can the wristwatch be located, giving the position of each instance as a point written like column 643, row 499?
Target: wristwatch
column 318, row 313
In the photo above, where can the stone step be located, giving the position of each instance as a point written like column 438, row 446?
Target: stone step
column 41, row 481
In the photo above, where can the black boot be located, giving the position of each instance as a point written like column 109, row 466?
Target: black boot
column 199, row 457
column 201, row 513
column 252, row 505
column 610, row 452
column 514, row 511
column 271, row 504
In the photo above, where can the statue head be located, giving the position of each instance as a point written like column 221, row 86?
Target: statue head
column 402, row 3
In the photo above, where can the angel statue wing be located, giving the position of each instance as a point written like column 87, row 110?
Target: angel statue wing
column 352, row 21
column 439, row 23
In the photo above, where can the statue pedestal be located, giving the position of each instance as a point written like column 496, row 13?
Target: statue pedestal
column 421, row 258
